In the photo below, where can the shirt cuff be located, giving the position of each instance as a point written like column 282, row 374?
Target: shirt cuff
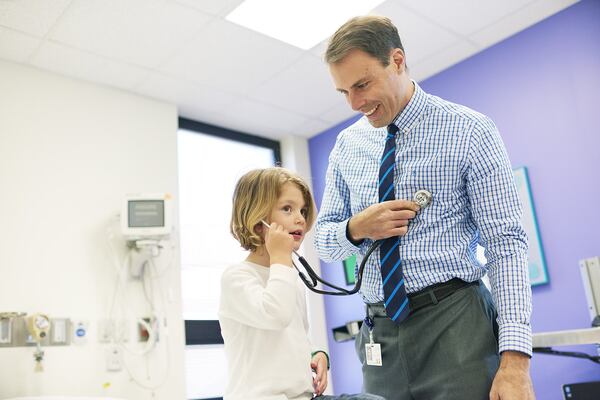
column 515, row 337
column 343, row 240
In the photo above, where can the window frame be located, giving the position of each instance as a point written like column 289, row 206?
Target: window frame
column 206, row 332
column 224, row 133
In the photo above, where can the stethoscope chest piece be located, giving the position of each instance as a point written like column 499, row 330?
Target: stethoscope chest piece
column 423, row 198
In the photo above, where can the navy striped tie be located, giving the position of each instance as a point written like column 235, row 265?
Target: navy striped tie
column 394, row 290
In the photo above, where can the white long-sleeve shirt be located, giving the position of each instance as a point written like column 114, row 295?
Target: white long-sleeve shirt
column 263, row 321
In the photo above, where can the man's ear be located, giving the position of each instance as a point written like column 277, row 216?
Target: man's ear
column 397, row 58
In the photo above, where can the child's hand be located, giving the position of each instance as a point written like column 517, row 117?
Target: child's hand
column 279, row 244
column 319, row 366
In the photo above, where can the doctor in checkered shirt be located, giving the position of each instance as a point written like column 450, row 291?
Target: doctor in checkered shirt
column 459, row 341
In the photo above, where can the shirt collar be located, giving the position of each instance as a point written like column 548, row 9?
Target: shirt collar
column 413, row 110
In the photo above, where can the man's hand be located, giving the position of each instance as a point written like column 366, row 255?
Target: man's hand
column 319, row 366
column 382, row 220
column 279, row 244
column 512, row 381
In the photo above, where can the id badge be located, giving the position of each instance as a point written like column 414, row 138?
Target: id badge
column 373, row 352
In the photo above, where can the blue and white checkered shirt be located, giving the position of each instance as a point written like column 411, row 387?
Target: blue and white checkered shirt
column 456, row 154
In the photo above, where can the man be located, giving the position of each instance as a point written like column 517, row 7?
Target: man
column 433, row 323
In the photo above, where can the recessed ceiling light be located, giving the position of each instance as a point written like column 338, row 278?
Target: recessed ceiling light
column 301, row 23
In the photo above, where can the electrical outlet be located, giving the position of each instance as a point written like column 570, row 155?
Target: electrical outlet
column 106, row 328
column 59, row 332
column 121, row 330
column 114, row 359
column 113, row 330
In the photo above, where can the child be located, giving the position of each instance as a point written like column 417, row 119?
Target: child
column 263, row 310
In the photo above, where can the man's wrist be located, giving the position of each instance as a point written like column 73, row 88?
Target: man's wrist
column 514, row 359
column 354, row 241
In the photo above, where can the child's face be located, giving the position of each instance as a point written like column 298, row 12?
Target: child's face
column 290, row 212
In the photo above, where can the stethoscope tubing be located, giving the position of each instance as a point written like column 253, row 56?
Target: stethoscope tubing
column 314, row 278
column 422, row 197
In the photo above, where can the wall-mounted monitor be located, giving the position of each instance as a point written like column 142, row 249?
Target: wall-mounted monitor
column 146, row 216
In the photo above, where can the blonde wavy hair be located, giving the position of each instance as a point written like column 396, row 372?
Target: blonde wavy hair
column 255, row 195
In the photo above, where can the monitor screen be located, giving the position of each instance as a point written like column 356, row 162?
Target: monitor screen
column 146, row 213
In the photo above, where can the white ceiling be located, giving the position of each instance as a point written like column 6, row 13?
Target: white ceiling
column 186, row 53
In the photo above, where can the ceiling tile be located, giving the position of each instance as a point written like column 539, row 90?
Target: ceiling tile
column 319, row 49
column 233, row 58
column 188, row 95
column 465, row 16
column 16, row 46
column 184, row 52
column 338, row 113
column 261, row 119
column 420, row 37
column 309, row 128
column 89, row 67
column 34, row 17
column 305, row 88
column 142, row 32
column 516, row 22
column 213, row 7
column 442, row 60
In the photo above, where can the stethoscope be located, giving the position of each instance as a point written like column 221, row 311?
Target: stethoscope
column 421, row 197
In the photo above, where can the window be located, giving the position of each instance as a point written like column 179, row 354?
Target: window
column 211, row 160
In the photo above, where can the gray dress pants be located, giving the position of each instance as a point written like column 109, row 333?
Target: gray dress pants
column 443, row 351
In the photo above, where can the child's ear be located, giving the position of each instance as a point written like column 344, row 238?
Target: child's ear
column 258, row 228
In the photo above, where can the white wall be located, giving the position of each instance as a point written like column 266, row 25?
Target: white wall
column 69, row 151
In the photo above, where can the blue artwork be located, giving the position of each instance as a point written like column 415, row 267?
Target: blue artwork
column 537, row 263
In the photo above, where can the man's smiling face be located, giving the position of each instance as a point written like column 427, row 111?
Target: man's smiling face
column 369, row 87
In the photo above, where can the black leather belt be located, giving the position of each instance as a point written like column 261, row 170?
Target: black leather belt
column 436, row 293
column 430, row 295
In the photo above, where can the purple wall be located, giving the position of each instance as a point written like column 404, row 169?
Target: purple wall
column 542, row 88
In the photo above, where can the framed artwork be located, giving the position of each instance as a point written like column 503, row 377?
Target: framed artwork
column 537, row 263
column 349, row 266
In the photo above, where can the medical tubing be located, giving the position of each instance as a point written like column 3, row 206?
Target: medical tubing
column 342, row 291
column 120, row 291
column 316, row 277
column 308, row 271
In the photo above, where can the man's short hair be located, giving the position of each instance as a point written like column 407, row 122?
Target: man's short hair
column 374, row 35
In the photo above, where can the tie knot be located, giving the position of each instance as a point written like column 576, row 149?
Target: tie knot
column 392, row 129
